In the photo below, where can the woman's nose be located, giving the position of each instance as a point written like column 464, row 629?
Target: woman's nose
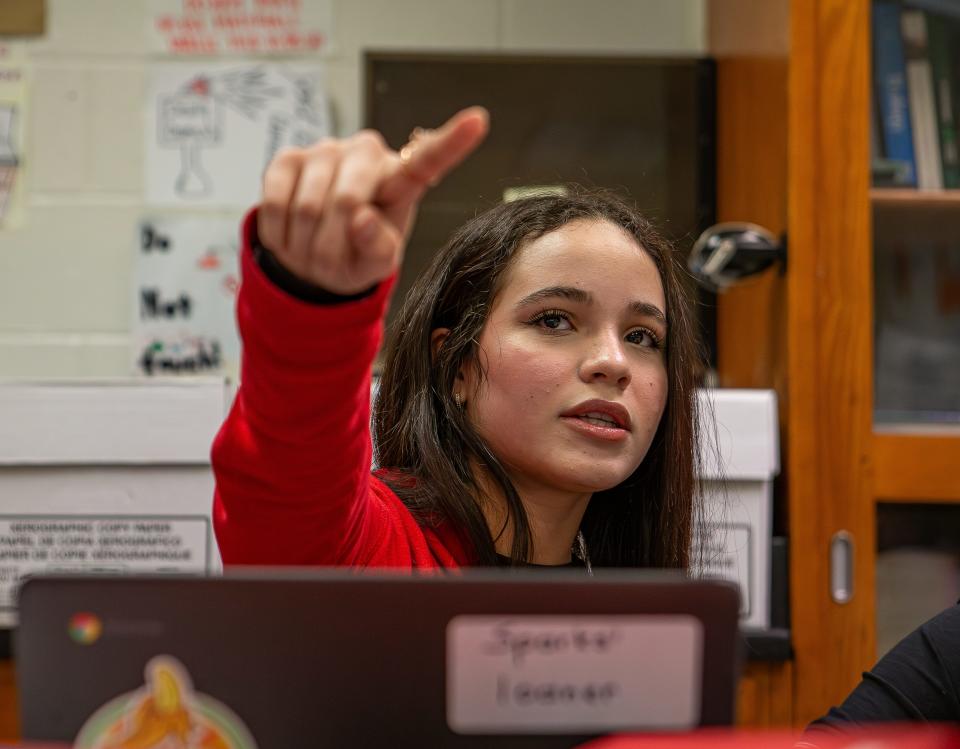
column 606, row 360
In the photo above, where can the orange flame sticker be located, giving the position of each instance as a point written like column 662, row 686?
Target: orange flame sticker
column 165, row 712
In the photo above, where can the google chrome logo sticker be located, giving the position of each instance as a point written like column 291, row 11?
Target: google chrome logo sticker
column 85, row 628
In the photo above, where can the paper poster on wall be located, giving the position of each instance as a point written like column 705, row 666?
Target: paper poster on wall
column 212, row 129
column 186, row 279
column 13, row 106
column 239, row 27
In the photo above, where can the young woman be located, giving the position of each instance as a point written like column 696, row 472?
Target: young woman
column 537, row 397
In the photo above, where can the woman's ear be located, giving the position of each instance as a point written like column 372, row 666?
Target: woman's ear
column 437, row 337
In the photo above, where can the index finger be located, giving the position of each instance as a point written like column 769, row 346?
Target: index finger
column 433, row 155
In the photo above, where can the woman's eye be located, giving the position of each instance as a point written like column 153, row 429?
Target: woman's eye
column 644, row 337
column 554, row 321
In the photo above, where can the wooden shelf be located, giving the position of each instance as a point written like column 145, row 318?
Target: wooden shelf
column 916, row 467
column 907, row 198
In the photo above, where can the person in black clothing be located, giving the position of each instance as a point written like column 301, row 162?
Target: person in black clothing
column 918, row 680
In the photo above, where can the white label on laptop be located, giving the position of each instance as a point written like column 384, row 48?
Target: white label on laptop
column 572, row 674
column 37, row 544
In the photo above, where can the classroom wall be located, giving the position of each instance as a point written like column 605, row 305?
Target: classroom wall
column 65, row 274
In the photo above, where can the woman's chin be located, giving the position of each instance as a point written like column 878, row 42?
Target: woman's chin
column 592, row 479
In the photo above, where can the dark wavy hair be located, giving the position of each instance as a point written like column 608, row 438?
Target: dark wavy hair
column 421, row 434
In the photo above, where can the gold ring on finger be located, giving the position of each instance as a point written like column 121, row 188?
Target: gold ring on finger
column 406, row 158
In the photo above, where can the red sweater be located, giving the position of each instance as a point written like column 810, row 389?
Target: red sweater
column 292, row 460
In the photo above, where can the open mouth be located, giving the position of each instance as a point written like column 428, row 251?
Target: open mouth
column 599, row 426
column 600, row 420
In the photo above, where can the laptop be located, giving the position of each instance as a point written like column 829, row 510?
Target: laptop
column 527, row 659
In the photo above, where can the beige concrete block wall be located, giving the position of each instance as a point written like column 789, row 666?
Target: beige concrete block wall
column 65, row 275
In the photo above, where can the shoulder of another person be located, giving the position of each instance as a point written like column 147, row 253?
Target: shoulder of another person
column 946, row 625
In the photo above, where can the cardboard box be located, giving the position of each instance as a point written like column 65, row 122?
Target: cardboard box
column 115, row 476
column 106, row 475
column 738, row 468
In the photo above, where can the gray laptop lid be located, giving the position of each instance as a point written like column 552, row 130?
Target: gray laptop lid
column 338, row 659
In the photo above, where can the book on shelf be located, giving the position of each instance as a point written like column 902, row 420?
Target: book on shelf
column 922, row 102
column 915, row 132
column 943, row 39
column 895, row 145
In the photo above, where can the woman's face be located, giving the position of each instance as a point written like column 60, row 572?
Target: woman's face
column 576, row 378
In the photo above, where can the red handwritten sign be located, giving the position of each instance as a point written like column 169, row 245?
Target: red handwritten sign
column 214, row 27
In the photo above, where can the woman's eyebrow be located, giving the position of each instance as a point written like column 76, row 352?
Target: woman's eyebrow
column 649, row 310
column 580, row 296
column 567, row 292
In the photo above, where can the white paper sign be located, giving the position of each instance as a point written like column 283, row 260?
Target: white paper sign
column 32, row 544
column 213, row 128
column 13, row 110
column 572, row 674
column 186, row 278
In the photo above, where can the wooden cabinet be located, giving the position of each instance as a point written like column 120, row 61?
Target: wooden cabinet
column 9, row 721
column 764, row 699
column 794, row 155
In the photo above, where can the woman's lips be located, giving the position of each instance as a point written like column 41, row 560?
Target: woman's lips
column 591, row 428
column 597, row 410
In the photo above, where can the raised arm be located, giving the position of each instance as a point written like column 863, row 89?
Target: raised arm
column 292, row 459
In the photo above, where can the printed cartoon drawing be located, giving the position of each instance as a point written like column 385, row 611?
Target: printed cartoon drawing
column 196, row 116
column 9, row 161
column 190, row 119
column 165, row 713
